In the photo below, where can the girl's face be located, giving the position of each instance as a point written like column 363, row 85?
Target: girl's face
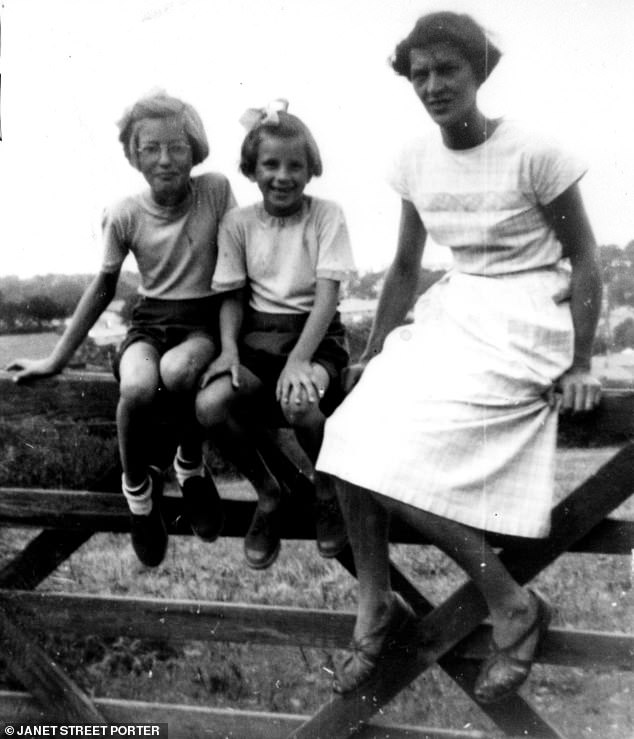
column 445, row 83
column 281, row 173
column 165, row 159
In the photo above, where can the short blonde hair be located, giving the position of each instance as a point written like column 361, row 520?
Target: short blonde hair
column 162, row 105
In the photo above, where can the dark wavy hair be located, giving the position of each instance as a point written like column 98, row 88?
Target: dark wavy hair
column 459, row 30
column 160, row 105
column 289, row 127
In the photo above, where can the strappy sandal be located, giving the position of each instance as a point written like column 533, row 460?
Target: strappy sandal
column 366, row 652
column 502, row 672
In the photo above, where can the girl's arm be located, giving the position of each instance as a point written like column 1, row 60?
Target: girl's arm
column 94, row 301
column 297, row 373
column 581, row 391
column 230, row 320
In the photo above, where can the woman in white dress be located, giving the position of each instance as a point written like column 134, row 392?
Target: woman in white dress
column 452, row 426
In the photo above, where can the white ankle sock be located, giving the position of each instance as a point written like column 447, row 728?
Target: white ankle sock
column 139, row 498
column 184, row 471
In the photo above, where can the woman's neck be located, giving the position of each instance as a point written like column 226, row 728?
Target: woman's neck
column 469, row 132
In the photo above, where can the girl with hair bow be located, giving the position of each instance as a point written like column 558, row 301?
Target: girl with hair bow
column 279, row 268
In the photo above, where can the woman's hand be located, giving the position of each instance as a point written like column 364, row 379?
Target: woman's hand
column 32, row 369
column 298, row 382
column 578, row 390
column 226, row 363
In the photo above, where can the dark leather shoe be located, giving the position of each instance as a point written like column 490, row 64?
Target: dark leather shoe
column 330, row 527
column 367, row 652
column 262, row 542
column 202, row 506
column 502, row 673
column 148, row 533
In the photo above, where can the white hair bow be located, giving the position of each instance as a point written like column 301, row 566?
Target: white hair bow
column 253, row 117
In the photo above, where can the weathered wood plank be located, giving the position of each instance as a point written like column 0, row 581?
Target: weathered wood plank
column 35, row 669
column 81, row 510
column 515, row 716
column 180, row 621
column 77, row 394
column 40, row 557
column 194, row 722
column 449, row 623
column 90, row 395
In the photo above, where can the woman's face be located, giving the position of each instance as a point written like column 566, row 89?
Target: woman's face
column 165, row 158
column 445, row 83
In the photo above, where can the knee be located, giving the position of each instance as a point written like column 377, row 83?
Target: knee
column 211, row 407
column 137, row 392
column 303, row 415
column 178, row 374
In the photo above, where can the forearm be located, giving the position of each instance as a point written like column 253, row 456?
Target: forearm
column 231, row 317
column 395, row 301
column 318, row 321
column 585, row 306
column 93, row 302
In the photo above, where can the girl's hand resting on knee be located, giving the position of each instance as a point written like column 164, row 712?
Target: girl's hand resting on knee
column 226, row 363
column 576, row 390
column 298, row 382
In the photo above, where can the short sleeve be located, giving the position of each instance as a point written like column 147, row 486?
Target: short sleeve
column 335, row 260
column 114, row 241
column 399, row 172
column 231, row 269
column 553, row 170
column 226, row 198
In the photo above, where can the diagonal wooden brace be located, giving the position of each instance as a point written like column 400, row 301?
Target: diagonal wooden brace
column 453, row 620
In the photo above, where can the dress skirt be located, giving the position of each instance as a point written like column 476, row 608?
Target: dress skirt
column 451, row 417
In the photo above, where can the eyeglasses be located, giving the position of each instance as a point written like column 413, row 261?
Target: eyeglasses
column 176, row 151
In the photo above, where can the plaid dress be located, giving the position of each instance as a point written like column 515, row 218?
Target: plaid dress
column 451, row 416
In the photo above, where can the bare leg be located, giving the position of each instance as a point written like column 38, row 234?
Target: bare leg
column 219, row 404
column 367, row 522
column 139, row 386
column 308, row 422
column 180, row 370
column 511, row 608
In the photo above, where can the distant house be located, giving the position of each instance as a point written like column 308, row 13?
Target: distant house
column 353, row 310
column 109, row 328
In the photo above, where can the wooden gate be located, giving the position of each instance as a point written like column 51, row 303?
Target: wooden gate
column 68, row 519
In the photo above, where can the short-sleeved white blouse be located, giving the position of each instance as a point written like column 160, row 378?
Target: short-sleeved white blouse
column 281, row 259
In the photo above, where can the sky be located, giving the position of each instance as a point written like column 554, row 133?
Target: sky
column 71, row 67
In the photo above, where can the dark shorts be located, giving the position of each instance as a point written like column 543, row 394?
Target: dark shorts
column 268, row 338
column 165, row 324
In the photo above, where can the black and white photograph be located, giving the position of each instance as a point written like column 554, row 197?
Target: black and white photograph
column 317, row 369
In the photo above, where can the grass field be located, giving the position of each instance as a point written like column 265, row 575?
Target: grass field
column 592, row 592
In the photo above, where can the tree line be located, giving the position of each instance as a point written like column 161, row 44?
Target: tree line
column 42, row 302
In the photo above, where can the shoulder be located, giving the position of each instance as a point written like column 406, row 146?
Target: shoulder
column 212, row 183
column 321, row 208
column 240, row 215
column 533, row 142
column 124, row 210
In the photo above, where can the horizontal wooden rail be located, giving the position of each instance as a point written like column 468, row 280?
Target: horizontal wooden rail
column 94, row 395
column 186, row 722
column 92, row 511
column 179, row 621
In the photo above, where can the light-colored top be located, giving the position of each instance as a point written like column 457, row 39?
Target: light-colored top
column 281, row 259
column 175, row 247
column 485, row 202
